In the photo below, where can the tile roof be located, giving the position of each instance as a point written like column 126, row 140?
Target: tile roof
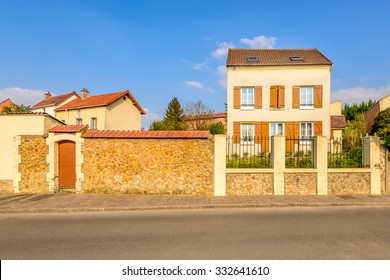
column 338, row 122
column 68, row 128
column 239, row 57
column 100, row 100
column 207, row 116
column 6, row 103
column 132, row 134
column 54, row 100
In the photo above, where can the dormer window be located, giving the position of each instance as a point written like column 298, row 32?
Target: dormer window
column 252, row 59
column 296, row 59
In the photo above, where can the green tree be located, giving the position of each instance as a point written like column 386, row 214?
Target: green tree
column 381, row 126
column 174, row 118
column 355, row 130
column 217, row 128
column 350, row 112
column 16, row 109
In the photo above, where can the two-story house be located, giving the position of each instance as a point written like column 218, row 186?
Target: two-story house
column 111, row 111
column 51, row 102
column 277, row 91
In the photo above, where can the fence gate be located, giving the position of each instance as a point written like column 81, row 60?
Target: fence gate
column 67, row 164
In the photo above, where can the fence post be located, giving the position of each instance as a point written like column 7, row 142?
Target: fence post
column 321, row 152
column 219, row 165
column 371, row 158
column 279, row 162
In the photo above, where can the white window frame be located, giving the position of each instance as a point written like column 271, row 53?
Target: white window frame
column 304, row 97
column 93, row 123
column 247, row 133
column 274, row 129
column 304, row 127
column 79, row 121
column 247, row 102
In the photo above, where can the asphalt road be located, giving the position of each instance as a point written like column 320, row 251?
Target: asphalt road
column 270, row 233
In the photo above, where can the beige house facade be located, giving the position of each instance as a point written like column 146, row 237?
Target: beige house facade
column 277, row 92
column 51, row 102
column 112, row 111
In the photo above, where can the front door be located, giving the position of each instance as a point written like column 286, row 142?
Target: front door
column 67, row 164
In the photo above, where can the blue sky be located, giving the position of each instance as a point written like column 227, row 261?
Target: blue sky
column 162, row 49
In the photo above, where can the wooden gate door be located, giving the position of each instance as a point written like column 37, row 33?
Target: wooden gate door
column 67, row 164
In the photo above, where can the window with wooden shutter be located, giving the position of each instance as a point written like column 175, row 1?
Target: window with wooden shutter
column 318, row 128
column 265, row 137
column 258, row 97
column 296, row 97
column 292, row 135
column 273, row 97
column 237, row 98
column 318, row 96
column 280, row 96
column 257, row 132
column 236, row 132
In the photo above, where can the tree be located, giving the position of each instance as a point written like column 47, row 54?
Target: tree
column 217, row 128
column 350, row 112
column 381, row 126
column 173, row 119
column 197, row 115
column 16, row 109
column 355, row 130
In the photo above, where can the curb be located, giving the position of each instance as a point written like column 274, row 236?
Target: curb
column 184, row 207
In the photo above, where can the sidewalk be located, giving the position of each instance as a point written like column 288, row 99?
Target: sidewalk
column 70, row 202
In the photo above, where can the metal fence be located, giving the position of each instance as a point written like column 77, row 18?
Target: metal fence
column 248, row 153
column 345, row 152
column 300, row 152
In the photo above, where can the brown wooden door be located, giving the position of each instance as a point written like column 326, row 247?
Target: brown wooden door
column 67, row 164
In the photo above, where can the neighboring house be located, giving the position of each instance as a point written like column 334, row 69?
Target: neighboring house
column 370, row 115
column 6, row 103
column 272, row 91
column 337, row 120
column 50, row 103
column 15, row 124
column 195, row 122
column 112, row 111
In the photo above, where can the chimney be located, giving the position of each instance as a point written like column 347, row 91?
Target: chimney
column 47, row 95
column 84, row 93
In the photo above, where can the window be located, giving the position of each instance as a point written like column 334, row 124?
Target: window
column 252, row 59
column 276, row 97
column 306, row 130
column 247, row 133
column 79, row 121
column 307, row 98
column 93, row 125
column 247, row 98
column 276, row 129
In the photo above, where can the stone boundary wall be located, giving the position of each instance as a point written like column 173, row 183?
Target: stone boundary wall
column 249, row 184
column 300, row 183
column 33, row 167
column 348, row 183
column 6, row 186
column 148, row 166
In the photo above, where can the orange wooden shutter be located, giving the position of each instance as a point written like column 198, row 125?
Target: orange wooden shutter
column 257, row 132
column 273, row 96
column 236, row 132
column 280, row 96
column 296, row 97
column 318, row 96
column 318, row 128
column 258, row 97
column 292, row 135
column 265, row 137
column 237, row 98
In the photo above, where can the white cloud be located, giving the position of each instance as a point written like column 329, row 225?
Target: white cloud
column 222, row 49
column 149, row 118
column 259, row 42
column 200, row 66
column 221, row 72
column 194, row 84
column 21, row 95
column 360, row 94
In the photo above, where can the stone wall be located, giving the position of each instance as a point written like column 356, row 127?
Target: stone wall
column 348, row 183
column 383, row 163
column 33, row 167
column 6, row 186
column 148, row 166
column 249, row 183
column 300, row 183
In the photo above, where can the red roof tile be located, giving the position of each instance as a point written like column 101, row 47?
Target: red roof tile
column 338, row 122
column 6, row 103
column 100, row 100
column 54, row 100
column 132, row 134
column 67, row 128
column 238, row 57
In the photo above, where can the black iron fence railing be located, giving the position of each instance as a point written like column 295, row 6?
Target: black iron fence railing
column 346, row 152
column 248, row 152
column 300, row 152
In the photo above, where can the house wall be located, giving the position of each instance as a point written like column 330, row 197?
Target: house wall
column 148, row 166
column 69, row 116
column 122, row 115
column 18, row 124
column 335, row 108
column 50, row 109
column 370, row 115
column 287, row 76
